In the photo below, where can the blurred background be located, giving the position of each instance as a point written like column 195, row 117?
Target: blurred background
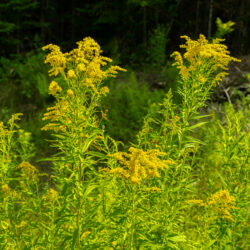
column 138, row 35
column 124, row 27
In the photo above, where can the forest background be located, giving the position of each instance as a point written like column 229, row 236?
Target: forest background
column 137, row 35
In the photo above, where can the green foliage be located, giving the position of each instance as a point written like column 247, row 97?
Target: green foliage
column 157, row 47
column 15, row 147
column 223, row 28
column 25, row 75
column 17, row 20
column 223, row 163
column 127, row 105
column 23, row 86
column 6, row 27
column 169, row 75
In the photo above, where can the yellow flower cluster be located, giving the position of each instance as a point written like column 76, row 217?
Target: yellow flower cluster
column 202, row 52
column 9, row 192
column 54, row 114
column 52, row 195
column 220, row 203
column 197, row 202
column 70, row 93
column 3, row 132
column 156, row 189
column 87, row 50
column 24, row 135
column 138, row 164
column 104, row 90
column 54, row 88
column 5, row 188
column 71, row 74
column 86, row 58
column 56, row 59
column 82, row 69
column 28, row 169
column 29, row 172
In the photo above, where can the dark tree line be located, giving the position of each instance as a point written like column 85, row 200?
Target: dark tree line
column 122, row 26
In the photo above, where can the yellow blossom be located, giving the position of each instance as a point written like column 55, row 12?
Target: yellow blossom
column 156, row 189
column 52, row 195
column 222, row 202
column 5, row 188
column 198, row 52
column 178, row 58
column 197, row 202
column 28, row 170
column 71, row 74
column 219, row 203
column 56, row 59
column 89, row 83
column 219, row 77
column 104, row 90
column 138, row 164
column 54, row 88
column 70, row 93
column 55, row 114
column 202, row 79
column 89, row 66
column 184, row 71
column 81, row 67
column 114, row 243
column 85, row 234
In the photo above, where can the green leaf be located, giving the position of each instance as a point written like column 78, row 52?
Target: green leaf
column 191, row 140
column 74, row 238
column 42, row 84
column 222, row 179
column 201, row 116
column 98, row 154
column 195, row 126
column 178, row 238
column 89, row 140
column 90, row 189
column 67, row 238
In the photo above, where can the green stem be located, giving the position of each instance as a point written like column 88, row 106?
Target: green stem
column 53, row 226
column 78, row 224
column 132, row 219
column 78, row 218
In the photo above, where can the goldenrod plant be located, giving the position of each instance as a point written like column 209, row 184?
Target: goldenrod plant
column 213, row 220
column 172, row 128
column 137, row 166
column 201, row 68
column 76, row 120
column 19, row 185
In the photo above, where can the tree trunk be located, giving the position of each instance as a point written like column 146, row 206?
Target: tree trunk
column 210, row 18
column 144, row 26
column 197, row 17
